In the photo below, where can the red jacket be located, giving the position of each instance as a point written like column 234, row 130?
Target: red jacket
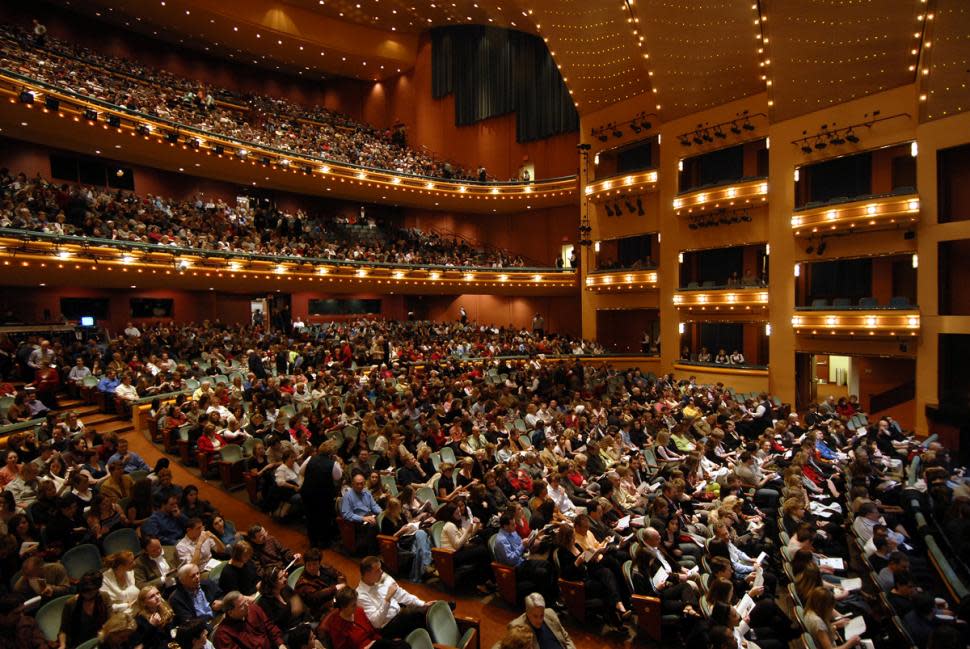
column 349, row 635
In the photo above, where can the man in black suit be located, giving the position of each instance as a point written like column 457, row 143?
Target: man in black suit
column 193, row 596
column 319, row 494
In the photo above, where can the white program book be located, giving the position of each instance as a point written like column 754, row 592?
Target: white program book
column 660, row 578
column 855, row 627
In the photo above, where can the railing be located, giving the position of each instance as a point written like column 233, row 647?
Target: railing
column 746, row 192
column 308, row 163
column 892, row 397
column 175, row 252
column 722, row 366
column 884, row 211
column 859, row 324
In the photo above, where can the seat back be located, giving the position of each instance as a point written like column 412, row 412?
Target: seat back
column 49, row 617
column 627, row 569
column 448, row 455
column 231, row 453
column 294, row 577
column 88, row 644
column 436, row 530
column 442, row 625
column 81, row 559
column 419, row 639
column 217, row 571
column 425, row 494
column 121, row 540
column 492, row 540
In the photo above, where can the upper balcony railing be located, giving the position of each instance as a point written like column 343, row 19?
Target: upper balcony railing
column 885, row 211
column 865, row 323
column 631, row 184
column 740, row 300
column 401, row 187
column 621, row 280
column 21, row 247
column 744, row 193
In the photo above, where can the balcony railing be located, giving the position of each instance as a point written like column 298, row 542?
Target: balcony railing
column 728, row 300
column 621, row 281
column 886, row 211
column 169, row 132
column 614, row 187
column 872, row 323
column 22, row 247
column 744, row 193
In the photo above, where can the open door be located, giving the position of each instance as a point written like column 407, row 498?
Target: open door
column 804, row 380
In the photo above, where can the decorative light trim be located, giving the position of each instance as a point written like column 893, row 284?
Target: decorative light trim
column 864, row 214
column 625, row 185
column 750, row 193
column 620, row 281
column 873, row 323
column 741, row 300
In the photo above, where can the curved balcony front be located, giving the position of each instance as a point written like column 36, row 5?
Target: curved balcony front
column 59, row 117
column 745, row 193
column 633, row 184
column 860, row 324
column 723, row 301
column 621, row 281
column 886, row 212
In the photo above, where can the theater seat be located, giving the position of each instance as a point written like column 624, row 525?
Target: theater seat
column 647, row 609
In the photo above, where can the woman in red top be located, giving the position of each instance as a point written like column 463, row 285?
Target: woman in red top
column 211, row 441
column 46, row 382
column 347, row 625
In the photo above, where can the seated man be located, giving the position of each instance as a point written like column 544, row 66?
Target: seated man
column 193, row 596
column 511, row 551
column 319, row 583
column 131, row 460
column 197, row 544
column 359, row 507
column 153, row 568
column 544, row 624
column 109, row 383
column 393, row 611
column 166, row 523
column 245, row 626
column 48, row 580
column 269, row 552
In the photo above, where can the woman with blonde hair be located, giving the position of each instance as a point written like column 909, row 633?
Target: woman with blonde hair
column 117, row 632
column 119, row 580
column 153, row 617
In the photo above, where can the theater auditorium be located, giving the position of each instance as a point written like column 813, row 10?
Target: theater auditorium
column 484, row 324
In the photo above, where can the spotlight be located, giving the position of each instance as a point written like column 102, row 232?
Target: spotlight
column 172, row 137
column 806, row 148
column 26, row 97
column 219, row 149
column 810, row 249
column 606, row 206
column 837, row 140
column 90, row 114
column 636, row 128
column 603, row 137
column 114, row 121
column 735, row 128
column 52, row 103
column 718, row 133
column 707, row 137
column 646, row 125
column 640, row 211
column 820, row 144
column 748, row 126
column 194, row 142
column 631, row 208
column 692, row 225
column 307, row 170
column 684, row 141
column 697, row 138
column 821, row 248
column 142, row 129
column 264, row 160
column 746, row 217
column 617, row 132
column 852, row 137
column 617, row 209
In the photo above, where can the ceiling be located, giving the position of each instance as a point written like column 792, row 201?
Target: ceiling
column 685, row 56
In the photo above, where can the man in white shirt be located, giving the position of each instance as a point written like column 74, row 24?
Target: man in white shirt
column 197, row 545
column 125, row 390
column 78, row 372
column 132, row 331
column 393, row 611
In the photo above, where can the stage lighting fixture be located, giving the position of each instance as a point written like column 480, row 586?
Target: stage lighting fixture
column 26, row 97
column 172, row 137
column 264, row 160
column 606, row 206
column 852, row 137
column 219, row 149
column 810, row 249
column 806, row 148
column 684, row 141
column 718, row 133
column 142, row 129
column 821, row 248
column 636, row 128
column 820, row 144
column 52, row 103
column 837, row 140
column 697, row 138
column 631, row 208
column 748, row 126
column 617, row 209
column 640, row 211
column 707, row 137
column 692, row 225
column 746, row 217
column 617, row 132
column 646, row 125
column 114, row 121
column 194, row 142
column 735, row 128
column 90, row 114
column 603, row 137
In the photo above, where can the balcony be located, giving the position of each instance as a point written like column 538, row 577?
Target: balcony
column 858, row 323
column 622, row 185
column 160, row 143
column 746, row 193
column 724, row 301
column 621, row 281
column 28, row 258
column 887, row 211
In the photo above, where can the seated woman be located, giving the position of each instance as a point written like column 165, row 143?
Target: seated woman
column 240, row 572
column 819, row 611
column 119, row 580
column 192, row 506
column 348, row 626
column 396, row 524
column 318, row 584
column 676, row 595
column 468, row 551
column 278, row 601
column 154, row 618
column 288, row 480
column 225, row 530
column 599, row 581
column 85, row 613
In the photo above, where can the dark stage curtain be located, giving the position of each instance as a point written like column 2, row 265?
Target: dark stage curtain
column 494, row 71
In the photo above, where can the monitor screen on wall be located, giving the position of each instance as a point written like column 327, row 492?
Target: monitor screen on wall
column 345, row 307
column 146, row 307
column 74, row 308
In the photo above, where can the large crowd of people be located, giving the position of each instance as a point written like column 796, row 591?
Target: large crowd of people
column 629, row 484
column 207, row 224
column 256, row 120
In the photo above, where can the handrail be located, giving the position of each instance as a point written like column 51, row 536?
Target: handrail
column 910, row 191
column 176, row 251
column 18, row 78
column 719, row 367
column 723, row 182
